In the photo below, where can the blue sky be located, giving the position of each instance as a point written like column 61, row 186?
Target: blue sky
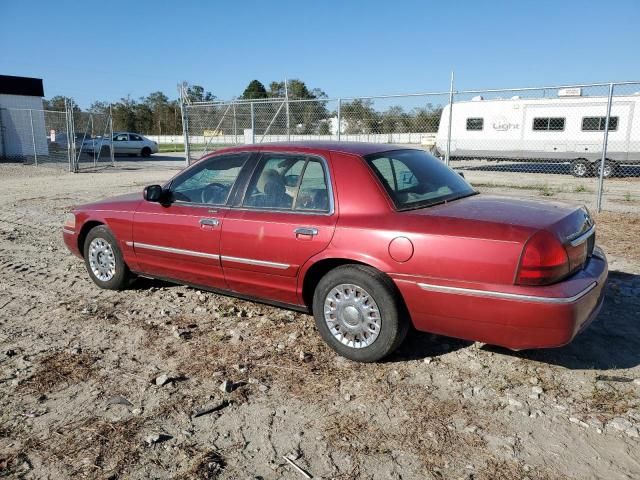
column 104, row 50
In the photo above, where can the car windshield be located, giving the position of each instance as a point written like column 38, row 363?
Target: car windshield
column 415, row 179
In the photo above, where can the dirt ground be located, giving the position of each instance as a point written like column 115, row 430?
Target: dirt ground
column 101, row 384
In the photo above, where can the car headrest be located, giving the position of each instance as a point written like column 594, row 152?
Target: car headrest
column 267, row 175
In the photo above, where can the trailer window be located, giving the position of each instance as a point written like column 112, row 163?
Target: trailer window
column 597, row 123
column 548, row 123
column 475, row 123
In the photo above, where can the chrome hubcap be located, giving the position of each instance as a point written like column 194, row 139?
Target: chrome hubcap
column 352, row 315
column 607, row 169
column 580, row 170
column 102, row 260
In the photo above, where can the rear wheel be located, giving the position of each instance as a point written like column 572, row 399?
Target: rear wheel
column 359, row 313
column 580, row 168
column 104, row 260
column 610, row 168
column 146, row 152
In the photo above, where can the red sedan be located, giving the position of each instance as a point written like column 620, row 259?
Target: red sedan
column 369, row 238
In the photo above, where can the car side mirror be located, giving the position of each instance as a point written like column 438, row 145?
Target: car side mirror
column 153, row 193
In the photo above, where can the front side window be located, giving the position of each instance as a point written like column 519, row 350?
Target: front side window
column 475, row 123
column 598, row 123
column 209, row 182
column 548, row 123
column 288, row 182
column 135, row 138
column 415, row 179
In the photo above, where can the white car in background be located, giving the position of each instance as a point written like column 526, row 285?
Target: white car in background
column 124, row 143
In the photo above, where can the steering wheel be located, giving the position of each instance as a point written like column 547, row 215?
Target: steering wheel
column 210, row 192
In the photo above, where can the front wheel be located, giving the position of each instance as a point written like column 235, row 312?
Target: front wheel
column 359, row 313
column 104, row 260
column 581, row 168
column 146, row 152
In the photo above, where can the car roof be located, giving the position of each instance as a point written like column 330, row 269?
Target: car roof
column 357, row 148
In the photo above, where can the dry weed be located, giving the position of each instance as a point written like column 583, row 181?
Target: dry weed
column 60, row 370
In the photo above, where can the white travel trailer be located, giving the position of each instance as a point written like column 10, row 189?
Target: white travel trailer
column 566, row 128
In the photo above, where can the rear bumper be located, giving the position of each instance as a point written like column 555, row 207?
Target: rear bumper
column 516, row 317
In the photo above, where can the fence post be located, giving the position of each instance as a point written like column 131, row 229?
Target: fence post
column 111, row 152
column 605, row 141
column 253, row 125
column 68, row 130
column 286, row 99
column 73, row 138
column 185, row 129
column 339, row 118
column 33, row 139
column 235, row 125
column 448, row 152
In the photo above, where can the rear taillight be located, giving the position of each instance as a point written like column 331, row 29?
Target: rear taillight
column 543, row 261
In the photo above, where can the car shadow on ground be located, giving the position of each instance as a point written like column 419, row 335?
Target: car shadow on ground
column 612, row 341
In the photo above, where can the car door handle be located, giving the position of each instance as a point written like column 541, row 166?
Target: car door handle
column 209, row 221
column 306, row 231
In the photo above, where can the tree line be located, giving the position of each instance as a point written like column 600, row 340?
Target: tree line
column 157, row 114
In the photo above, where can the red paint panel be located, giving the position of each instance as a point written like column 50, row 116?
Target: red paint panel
column 178, row 227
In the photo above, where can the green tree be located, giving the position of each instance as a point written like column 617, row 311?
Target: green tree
column 124, row 115
column 395, row 120
column 426, row 119
column 305, row 117
column 196, row 93
column 359, row 116
column 158, row 104
column 255, row 89
column 99, row 107
column 57, row 103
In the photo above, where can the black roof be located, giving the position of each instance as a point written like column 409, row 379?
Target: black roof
column 11, row 85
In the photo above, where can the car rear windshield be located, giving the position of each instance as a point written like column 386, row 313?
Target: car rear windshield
column 416, row 179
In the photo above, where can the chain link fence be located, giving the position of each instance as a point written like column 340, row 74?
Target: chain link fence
column 34, row 136
column 71, row 139
column 94, row 141
column 544, row 142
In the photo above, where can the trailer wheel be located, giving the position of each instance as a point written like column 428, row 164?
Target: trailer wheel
column 580, row 168
column 610, row 168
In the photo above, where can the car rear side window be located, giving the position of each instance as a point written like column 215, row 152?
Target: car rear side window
column 288, row 182
column 416, row 179
column 209, row 182
column 313, row 194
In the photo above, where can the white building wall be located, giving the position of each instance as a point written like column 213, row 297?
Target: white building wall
column 15, row 121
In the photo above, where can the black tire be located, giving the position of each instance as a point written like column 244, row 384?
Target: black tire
column 581, row 168
column 105, row 152
column 120, row 278
column 610, row 168
column 145, row 152
column 394, row 321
